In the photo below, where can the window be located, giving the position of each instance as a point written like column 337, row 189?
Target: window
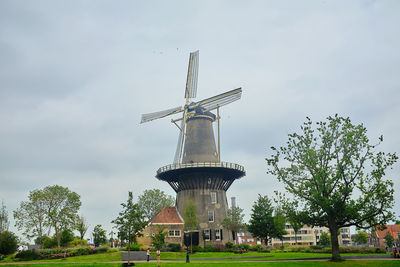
column 250, row 240
column 211, row 216
column 217, row 234
column 345, row 236
column 207, row 234
column 213, row 197
column 174, row 233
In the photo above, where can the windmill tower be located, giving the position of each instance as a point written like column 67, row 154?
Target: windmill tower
column 198, row 174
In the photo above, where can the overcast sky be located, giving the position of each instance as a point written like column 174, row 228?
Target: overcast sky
column 75, row 76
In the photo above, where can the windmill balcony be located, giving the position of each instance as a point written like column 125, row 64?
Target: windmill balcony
column 205, row 175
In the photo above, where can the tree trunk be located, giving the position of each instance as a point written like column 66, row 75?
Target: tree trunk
column 58, row 237
column 295, row 237
column 335, row 242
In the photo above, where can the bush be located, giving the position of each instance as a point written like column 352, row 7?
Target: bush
column 218, row 248
column 257, row 247
column 197, row 249
column 27, row 255
column 244, row 247
column 104, row 249
column 78, row 242
column 49, row 242
column 174, row 247
column 229, row 245
column 134, row 247
column 66, row 237
column 8, row 243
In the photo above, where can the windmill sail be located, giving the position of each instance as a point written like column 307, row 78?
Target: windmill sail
column 160, row 114
column 192, row 75
column 220, row 100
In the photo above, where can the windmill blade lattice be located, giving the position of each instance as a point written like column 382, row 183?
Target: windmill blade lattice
column 192, row 75
column 220, row 100
column 160, row 114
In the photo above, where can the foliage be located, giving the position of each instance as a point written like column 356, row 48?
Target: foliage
column 324, row 239
column 27, row 255
column 174, row 247
column 154, row 200
column 337, row 175
column 4, row 222
column 81, row 226
column 279, row 224
column 234, row 220
column 40, row 239
column 229, row 245
column 361, row 237
column 134, row 247
column 58, row 253
column 66, row 237
column 158, row 240
column 397, row 222
column 261, row 223
column 78, row 242
column 30, row 217
column 389, row 240
column 191, row 222
column 291, row 211
column 130, row 221
column 49, row 242
column 99, row 236
column 8, row 242
column 54, row 206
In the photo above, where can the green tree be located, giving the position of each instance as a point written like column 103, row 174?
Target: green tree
column 53, row 206
column 8, row 243
column 291, row 211
column 61, row 206
column 190, row 218
column 389, row 240
column 261, row 223
column 234, row 220
column 99, row 236
column 337, row 175
column 158, row 240
column 30, row 217
column 81, row 226
column 361, row 238
column 397, row 222
column 325, row 239
column 130, row 221
column 279, row 224
column 154, row 200
column 4, row 222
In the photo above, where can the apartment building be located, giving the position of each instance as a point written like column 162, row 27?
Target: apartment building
column 309, row 235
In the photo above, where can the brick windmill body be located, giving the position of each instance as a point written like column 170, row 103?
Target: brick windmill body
column 198, row 173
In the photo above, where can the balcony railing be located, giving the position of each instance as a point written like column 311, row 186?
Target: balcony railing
column 221, row 164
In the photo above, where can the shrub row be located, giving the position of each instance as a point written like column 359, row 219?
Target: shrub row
column 58, row 253
column 230, row 247
column 355, row 250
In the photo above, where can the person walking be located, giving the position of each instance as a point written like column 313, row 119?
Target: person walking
column 158, row 256
column 148, row 254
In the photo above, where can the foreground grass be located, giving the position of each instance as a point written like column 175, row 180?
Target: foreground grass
column 268, row 256
column 352, row 263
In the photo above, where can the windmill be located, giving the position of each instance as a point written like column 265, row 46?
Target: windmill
column 193, row 109
column 197, row 173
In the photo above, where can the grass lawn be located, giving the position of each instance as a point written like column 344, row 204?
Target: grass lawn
column 364, row 263
column 270, row 256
